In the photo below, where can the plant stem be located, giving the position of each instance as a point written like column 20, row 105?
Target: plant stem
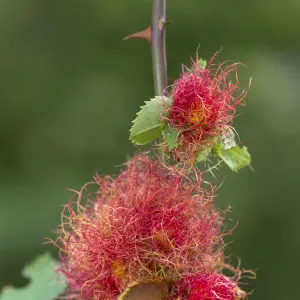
column 158, row 46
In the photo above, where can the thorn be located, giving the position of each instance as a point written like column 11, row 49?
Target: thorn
column 163, row 24
column 145, row 34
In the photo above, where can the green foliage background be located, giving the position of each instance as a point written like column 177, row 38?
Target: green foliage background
column 70, row 87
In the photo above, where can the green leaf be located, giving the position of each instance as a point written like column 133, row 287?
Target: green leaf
column 45, row 283
column 202, row 63
column 170, row 135
column 236, row 157
column 203, row 154
column 148, row 124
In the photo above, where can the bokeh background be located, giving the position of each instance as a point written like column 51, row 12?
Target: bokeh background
column 70, row 87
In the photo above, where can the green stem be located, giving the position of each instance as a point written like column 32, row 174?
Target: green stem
column 158, row 45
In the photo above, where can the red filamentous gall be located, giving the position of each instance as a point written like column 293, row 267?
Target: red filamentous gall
column 208, row 286
column 150, row 223
column 205, row 100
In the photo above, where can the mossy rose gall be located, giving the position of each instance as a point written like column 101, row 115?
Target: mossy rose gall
column 207, row 286
column 150, row 223
column 205, row 101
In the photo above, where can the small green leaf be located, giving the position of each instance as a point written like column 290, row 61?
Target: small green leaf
column 203, row 154
column 148, row 124
column 45, row 283
column 170, row 135
column 202, row 63
column 236, row 157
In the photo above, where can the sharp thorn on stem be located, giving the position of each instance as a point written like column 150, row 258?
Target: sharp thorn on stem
column 163, row 24
column 144, row 34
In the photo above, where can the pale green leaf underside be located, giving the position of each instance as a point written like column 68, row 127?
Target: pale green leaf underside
column 170, row 135
column 45, row 283
column 203, row 154
column 236, row 157
column 148, row 124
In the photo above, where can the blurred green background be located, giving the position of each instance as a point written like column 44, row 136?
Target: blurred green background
column 70, row 87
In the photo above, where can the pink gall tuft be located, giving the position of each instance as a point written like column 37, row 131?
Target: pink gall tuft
column 204, row 102
column 207, row 286
column 150, row 223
